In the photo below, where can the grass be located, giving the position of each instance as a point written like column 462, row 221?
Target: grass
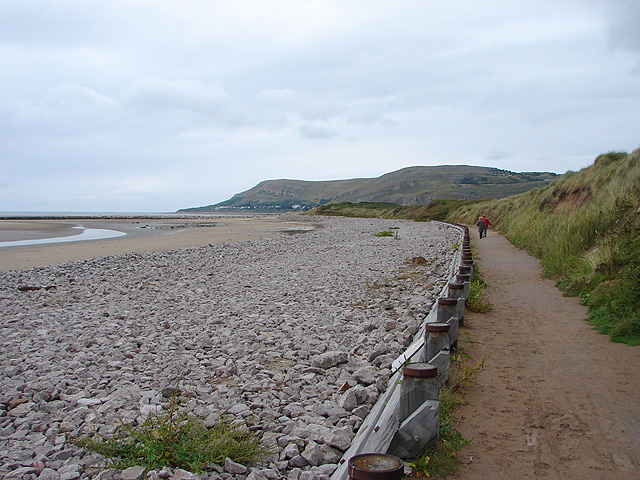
column 175, row 438
column 585, row 228
column 476, row 301
column 435, row 210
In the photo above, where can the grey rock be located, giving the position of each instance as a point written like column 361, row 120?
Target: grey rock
column 340, row 438
column 313, row 454
column 133, row 473
column 181, row 474
column 20, row 472
column 330, row 359
column 348, row 401
column 49, row 474
column 366, row 375
column 298, row 462
column 234, row 468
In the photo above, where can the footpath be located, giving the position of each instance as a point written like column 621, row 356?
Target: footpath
column 554, row 399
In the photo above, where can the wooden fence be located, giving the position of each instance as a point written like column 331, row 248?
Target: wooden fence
column 405, row 419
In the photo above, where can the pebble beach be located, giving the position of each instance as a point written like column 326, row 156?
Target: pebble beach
column 291, row 337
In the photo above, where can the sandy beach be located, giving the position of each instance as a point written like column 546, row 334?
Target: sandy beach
column 142, row 235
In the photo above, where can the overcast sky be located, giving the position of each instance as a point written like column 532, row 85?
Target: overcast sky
column 156, row 105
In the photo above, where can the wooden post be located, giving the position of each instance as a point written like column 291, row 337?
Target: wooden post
column 436, row 338
column 375, row 466
column 448, row 313
column 447, row 308
column 467, row 265
column 419, row 384
column 456, row 290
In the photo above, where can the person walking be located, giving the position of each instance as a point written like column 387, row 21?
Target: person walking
column 486, row 222
column 482, row 227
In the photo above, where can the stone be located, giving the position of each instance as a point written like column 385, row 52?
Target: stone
column 348, row 400
column 330, row 359
column 366, row 375
column 18, row 473
column 340, row 438
column 298, row 462
column 234, row 468
column 290, row 451
column 181, row 474
column 49, row 474
column 133, row 473
column 313, row 454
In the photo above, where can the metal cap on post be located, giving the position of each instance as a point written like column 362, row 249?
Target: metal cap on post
column 375, row 466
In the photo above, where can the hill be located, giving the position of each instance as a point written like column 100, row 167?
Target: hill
column 585, row 228
column 408, row 186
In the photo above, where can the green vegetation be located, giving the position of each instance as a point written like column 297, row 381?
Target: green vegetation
column 476, row 301
column 585, row 228
column 435, row 210
column 442, row 458
column 175, row 438
column 385, row 233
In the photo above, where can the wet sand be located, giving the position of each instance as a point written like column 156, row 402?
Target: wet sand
column 143, row 235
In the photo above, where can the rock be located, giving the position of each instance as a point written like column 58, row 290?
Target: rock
column 340, row 438
column 290, row 451
column 298, row 462
column 314, row 432
column 313, row 454
column 329, row 359
column 181, row 474
column 234, row 468
column 133, row 473
column 49, row 474
column 348, row 400
column 240, row 409
column 19, row 473
column 366, row 375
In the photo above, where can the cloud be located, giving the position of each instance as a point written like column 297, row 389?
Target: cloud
column 129, row 98
column 624, row 35
column 66, row 102
column 156, row 95
column 312, row 132
column 498, row 154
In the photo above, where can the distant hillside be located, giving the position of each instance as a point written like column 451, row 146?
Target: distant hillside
column 409, row 186
column 585, row 228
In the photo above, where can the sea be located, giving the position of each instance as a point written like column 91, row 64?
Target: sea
column 13, row 236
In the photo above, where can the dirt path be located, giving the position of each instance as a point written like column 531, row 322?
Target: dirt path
column 555, row 398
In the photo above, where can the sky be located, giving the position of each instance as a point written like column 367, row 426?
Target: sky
column 157, row 105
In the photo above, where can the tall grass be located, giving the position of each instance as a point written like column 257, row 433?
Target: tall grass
column 585, row 228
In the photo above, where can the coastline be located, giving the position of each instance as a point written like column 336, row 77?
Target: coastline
column 146, row 233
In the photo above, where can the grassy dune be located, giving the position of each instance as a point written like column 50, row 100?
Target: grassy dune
column 585, row 228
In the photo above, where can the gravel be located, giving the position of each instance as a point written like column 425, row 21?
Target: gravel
column 291, row 337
